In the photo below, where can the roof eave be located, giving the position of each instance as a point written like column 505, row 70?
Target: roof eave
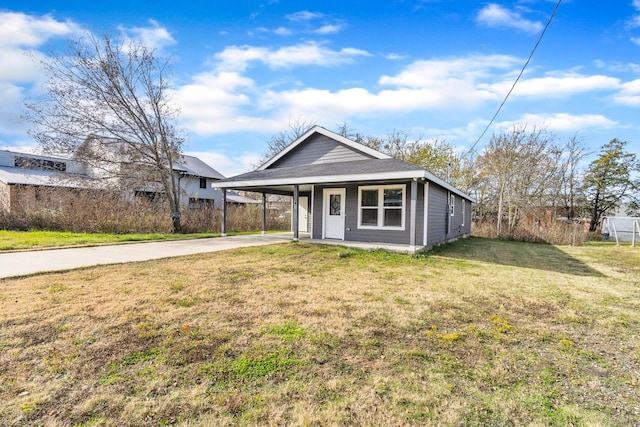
column 323, row 179
column 328, row 179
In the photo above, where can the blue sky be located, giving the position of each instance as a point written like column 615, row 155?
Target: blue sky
column 434, row 68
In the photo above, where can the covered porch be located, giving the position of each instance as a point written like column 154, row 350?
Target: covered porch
column 296, row 192
column 309, row 200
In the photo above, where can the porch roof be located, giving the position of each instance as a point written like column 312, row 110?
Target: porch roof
column 338, row 172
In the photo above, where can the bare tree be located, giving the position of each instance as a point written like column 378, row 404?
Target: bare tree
column 518, row 167
column 570, row 180
column 119, row 95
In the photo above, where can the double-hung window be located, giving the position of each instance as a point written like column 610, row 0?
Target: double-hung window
column 381, row 207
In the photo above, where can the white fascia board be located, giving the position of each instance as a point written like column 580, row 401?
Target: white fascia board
column 322, row 179
column 417, row 174
column 319, row 129
column 431, row 177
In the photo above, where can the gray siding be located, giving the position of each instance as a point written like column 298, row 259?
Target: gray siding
column 460, row 225
column 316, row 215
column 319, row 149
column 466, row 228
column 420, row 216
column 6, row 158
column 437, row 211
column 456, row 219
column 352, row 233
column 437, row 215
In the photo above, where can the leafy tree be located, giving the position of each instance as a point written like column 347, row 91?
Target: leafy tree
column 118, row 94
column 610, row 180
column 437, row 156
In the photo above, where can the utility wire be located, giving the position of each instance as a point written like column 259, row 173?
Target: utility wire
column 518, row 78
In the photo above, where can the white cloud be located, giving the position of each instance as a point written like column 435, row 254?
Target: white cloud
column 237, row 58
column 554, row 87
column 494, row 16
column 153, row 37
column 328, row 29
column 394, row 56
column 228, row 166
column 562, row 122
column 463, row 71
column 306, row 22
column 629, row 94
column 226, row 101
column 211, row 102
column 19, row 29
column 20, row 33
column 304, row 15
column 635, row 20
column 357, row 101
column 20, row 37
column 282, row 31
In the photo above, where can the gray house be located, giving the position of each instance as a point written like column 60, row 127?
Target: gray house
column 343, row 190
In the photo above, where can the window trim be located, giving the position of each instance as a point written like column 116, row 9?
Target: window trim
column 464, row 208
column 381, row 207
column 452, row 205
column 203, row 181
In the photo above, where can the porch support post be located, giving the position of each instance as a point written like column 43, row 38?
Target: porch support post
column 264, row 213
column 296, row 212
column 412, row 215
column 223, row 223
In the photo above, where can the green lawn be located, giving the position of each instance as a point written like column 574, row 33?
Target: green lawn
column 18, row 240
column 479, row 332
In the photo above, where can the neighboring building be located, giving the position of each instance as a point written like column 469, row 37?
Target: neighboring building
column 24, row 177
column 347, row 191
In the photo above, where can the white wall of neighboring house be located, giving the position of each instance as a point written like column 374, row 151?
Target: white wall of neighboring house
column 191, row 190
column 196, row 178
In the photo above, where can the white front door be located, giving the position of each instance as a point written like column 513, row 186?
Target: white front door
column 333, row 218
column 303, row 214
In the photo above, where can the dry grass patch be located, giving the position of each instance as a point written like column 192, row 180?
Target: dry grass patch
column 480, row 332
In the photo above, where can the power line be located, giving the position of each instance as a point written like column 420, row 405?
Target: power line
column 518, row 78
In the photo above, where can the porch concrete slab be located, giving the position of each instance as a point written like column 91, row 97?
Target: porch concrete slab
column 14, row 264
column 371, row 246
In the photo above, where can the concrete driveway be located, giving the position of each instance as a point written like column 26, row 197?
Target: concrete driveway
column 28, row 262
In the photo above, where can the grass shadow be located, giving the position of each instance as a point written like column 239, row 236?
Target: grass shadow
column 519, row 254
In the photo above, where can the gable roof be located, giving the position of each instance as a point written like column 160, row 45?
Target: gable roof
column 20, row 176
column 193, row 166
column 32, row 171
column 118, row 149
column 337, row 137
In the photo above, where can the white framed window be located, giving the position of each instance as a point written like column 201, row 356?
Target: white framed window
column 464, row 209
column 382, row 206
column 452, row 205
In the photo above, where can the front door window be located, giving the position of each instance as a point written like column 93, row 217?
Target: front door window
column 334, row 204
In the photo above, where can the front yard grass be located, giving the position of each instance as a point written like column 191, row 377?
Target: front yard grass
column 19, row 240
column 479, row 332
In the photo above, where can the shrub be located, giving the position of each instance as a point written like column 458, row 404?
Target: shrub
column 87, row 211
column 554, row 232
